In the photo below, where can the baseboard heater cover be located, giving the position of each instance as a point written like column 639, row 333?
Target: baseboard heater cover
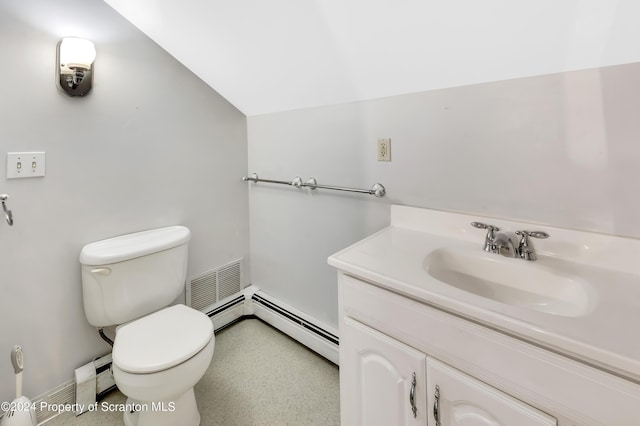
column 252, row 303
column 228, row 305
column 228, row 313
column 330, row 337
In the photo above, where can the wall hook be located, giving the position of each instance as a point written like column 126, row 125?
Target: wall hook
column 7, row 213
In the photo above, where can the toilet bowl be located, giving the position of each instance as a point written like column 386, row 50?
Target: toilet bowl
column 160, row 351
column 157, row 360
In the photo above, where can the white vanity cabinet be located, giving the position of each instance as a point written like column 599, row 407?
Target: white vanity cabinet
column 484, row 377
column 457, row 399
column 383, row 382
column 381, row 379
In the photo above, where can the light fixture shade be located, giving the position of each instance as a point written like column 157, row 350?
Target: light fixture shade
column 77, row 53
column 75, row 65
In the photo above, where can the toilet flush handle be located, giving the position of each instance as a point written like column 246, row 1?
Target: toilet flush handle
column 101, row 271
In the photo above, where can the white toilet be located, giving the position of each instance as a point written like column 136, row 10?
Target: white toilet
column 159, row 352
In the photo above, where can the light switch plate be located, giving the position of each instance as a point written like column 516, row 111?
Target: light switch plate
column 25, row 164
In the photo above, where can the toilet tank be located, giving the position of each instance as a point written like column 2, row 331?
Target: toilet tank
column 130, row 276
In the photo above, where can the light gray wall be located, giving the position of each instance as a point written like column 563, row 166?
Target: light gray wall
column 558, row 149
column 150, row 146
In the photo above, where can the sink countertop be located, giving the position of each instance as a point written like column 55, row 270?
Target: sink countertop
column 606, row 336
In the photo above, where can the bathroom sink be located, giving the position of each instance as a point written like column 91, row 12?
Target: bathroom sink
column 550, row 286
column 581, row 297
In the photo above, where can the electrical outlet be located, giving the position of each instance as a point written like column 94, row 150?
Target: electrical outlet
column 384, row 149
column 25, row 164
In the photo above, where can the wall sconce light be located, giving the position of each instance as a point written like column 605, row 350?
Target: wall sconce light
column 75, row 65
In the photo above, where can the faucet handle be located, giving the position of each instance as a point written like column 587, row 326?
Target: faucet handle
column 525, row 250
column 534, row 234
column 488, row 241
column 480, row 225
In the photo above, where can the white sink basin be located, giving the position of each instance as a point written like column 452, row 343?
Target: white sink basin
column 546, row 285
column 581, row 297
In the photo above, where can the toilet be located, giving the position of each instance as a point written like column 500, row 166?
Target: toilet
column 160, row 351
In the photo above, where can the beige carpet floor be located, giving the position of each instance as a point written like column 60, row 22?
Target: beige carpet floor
column 258, row 376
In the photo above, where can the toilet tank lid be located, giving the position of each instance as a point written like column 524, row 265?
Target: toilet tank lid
column 125, row 247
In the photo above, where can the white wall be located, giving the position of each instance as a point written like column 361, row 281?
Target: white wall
column 559, row 149
column 150, row 146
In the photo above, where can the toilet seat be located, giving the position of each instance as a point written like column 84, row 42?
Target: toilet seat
column 161, row 340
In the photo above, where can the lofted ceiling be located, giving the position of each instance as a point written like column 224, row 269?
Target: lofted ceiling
column 277, row 55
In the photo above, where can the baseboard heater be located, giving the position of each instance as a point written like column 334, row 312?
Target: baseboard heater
column 296, row 325
column 287, row 320
column 330, row 337
column 228, row 313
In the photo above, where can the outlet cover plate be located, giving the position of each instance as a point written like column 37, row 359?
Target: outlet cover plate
column 384, row 149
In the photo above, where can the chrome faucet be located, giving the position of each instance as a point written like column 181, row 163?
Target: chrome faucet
column 503, row 243
column 491, row 235
column 525, row 249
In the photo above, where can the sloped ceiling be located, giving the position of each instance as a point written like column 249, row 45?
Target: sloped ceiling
column 277, row 55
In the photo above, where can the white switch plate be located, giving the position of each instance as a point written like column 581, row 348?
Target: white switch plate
column 384, row 149
column 25, row 164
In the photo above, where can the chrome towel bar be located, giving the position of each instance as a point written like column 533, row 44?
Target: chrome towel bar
column 378, row 189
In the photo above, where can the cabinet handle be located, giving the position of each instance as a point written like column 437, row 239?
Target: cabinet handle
column 436, row 406
column 412, row 396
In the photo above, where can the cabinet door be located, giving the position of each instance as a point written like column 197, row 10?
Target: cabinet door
column 456, row 399
column 377, row 385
